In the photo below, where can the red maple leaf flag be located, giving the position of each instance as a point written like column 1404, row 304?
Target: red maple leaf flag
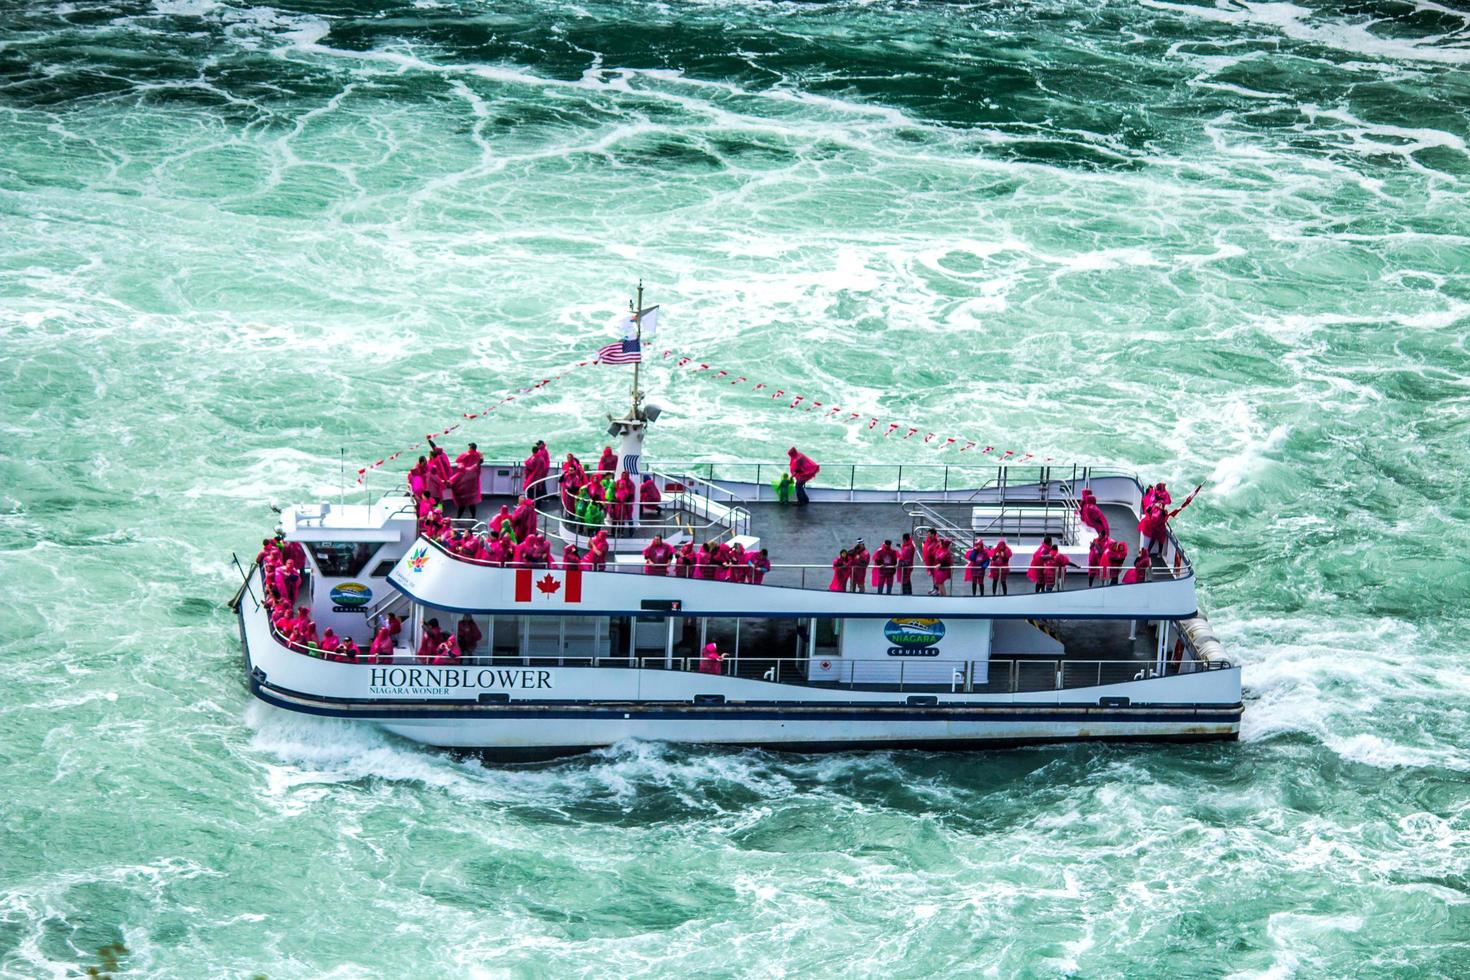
column 548, row 585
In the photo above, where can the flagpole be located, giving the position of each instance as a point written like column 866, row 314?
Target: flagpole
column 638, row 336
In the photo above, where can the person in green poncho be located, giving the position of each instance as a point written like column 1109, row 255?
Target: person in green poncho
column 784, row 487
column 594, row 516
column 579, row 505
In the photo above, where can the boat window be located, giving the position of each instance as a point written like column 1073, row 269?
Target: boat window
column 384, row 567
column 338, row 559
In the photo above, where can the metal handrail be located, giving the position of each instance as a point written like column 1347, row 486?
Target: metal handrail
column 245, row 589
column 739, row 517
column 385, row 605
column 917, row 508
column 961, row 677
column 1074, row 572
column 1002, row 676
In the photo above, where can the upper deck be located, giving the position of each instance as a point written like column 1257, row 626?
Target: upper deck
column 734, row 503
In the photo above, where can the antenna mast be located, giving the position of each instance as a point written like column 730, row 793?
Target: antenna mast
column 638, row 336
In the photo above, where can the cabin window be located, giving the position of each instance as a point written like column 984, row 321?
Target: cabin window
column 829, row 636
column 384, row 567
column 341, row 559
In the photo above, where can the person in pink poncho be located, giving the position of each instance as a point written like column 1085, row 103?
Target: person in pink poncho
column 704, row 563
column 569, row 483
column 570, row 556
column 1000, row 568
column 1040, row 558
column 759, row 564
column 533, row 470
column 269, row 553
column 523, row 519
column 1139, row 571
column 305, row 631
column 469, row 635
column 418, row 477
column 1059, row 564
column 885, row 567
column 538, row 552
column 500, row 521
column 942, row 561
column 466, row 482
column 977, row 560
column 1091, row 515
column 649, row 497
column 500, row 550
column 293, row 551
column 429, row 641
column 348, row 652
column 597, row 550
column 330, row 641
column 720, row 560
column 739, row 570
column 1153, row 529
column 1097, row 560
column 685, row 561
column 1157, row 494
column 623, row 491
column 608, row 463
column 906, row 556
column 573, row 466
column 860, row 558
column 803, row 471
column 381, row 649
column 288, row 582
column 440, row 471
column 656, row 557
column 711, row 662
column 1117, row 554
column 841, row 572
column 447, row 650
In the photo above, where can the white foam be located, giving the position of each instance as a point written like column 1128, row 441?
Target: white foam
column 1303, row 24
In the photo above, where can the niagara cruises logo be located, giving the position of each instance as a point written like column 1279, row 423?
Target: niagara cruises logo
column 913, row 637
column 350, row 597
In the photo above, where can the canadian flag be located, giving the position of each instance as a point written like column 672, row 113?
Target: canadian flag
column 548, row 585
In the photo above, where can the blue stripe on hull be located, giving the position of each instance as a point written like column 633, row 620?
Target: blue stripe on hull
column 388, row 710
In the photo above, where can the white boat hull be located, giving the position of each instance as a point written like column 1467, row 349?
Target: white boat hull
column 538, row 710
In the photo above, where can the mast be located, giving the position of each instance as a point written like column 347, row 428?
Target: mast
column 638, row 336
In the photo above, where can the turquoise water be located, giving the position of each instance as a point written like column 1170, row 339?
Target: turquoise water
column 1224, row 242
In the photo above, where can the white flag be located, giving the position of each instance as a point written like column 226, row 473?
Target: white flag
column 624, row 328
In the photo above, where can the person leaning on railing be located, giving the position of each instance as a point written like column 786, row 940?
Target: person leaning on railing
column 656, row 557
column 711, row 662
column 803, row 471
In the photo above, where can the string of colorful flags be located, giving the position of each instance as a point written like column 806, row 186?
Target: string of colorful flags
column 363, row 471
column 830, row 412
column 793, row 401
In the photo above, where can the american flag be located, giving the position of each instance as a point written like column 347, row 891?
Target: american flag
column 622, row 352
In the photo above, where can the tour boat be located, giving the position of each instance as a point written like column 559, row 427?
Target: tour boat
column 572, row 658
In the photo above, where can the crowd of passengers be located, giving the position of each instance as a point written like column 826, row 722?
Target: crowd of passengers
column 1047, row 570
column 280, row 562
column 282, row 577
column 513, row 539
column 602, row 499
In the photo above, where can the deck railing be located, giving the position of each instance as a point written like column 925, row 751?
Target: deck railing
column 992, row 676
column 989, row 676
column 818, row 576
